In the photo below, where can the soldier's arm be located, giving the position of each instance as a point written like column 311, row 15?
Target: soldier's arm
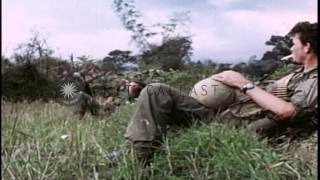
column 305, row 99
column 279, row 107
column 282, row 109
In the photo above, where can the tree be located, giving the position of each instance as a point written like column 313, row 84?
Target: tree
column 5, row 64
column 130, row 18
column 270, row 60
column 172, row 54
column 240, row 67
column 121, row 57
column 173, row 33
column 209, row 64
column 281, row 47
column 32, row 51
column 116, row 60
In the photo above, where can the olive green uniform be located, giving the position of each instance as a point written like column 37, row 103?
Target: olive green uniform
column 87, row 103
column 160, row 106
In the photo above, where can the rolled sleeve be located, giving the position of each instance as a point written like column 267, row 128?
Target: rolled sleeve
column 305, row 99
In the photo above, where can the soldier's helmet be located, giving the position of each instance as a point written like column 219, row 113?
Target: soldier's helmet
column 213, row 94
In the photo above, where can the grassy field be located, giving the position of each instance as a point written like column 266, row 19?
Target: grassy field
column 46, row 141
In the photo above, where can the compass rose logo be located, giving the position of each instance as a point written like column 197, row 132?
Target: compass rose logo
column 68, row 92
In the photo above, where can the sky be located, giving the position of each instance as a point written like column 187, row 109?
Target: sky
column 222, row 30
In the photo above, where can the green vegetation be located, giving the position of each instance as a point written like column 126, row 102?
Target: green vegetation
column 46, row 141
column 284, row 70
column 33, row 144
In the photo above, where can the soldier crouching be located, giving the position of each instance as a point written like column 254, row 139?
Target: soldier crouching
column 87, row 103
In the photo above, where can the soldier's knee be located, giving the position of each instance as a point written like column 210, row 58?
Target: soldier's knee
column 155, row 88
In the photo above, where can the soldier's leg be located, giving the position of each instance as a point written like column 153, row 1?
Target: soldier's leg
column 86, row 103
column 155, row 109
column 267, row 127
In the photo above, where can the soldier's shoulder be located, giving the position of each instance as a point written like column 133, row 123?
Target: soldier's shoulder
column 313, row 76
column 314, row 73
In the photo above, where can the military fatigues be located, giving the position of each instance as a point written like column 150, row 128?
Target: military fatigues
column 160, row 105
column 87, row 103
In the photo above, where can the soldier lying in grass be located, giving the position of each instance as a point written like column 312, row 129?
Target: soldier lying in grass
column 290, row 102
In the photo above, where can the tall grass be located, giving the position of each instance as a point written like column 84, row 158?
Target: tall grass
column 46, row 141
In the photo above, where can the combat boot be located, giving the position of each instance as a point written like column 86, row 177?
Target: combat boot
column 144, row 152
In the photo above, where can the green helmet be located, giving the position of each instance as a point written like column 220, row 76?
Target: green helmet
column 213, row 94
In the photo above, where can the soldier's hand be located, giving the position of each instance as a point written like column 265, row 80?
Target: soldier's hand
column 231, row 78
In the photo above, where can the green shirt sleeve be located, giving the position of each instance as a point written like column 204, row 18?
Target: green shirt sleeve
column 305, row 99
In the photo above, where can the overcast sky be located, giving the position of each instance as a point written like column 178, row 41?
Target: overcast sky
column 226, row 30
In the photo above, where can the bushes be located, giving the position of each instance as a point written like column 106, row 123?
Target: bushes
column 180, row 79
column 25, row 82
